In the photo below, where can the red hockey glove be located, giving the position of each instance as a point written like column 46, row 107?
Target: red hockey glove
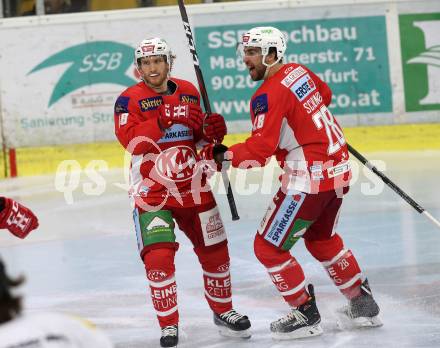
column 18, row 219
column 214, row 128
column 214, row 152
column 189, row 115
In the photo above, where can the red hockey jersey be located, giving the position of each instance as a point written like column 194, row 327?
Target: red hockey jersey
column 291, row 120
column 164, row 166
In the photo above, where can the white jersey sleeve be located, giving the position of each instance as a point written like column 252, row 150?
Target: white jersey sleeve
column 51, row 330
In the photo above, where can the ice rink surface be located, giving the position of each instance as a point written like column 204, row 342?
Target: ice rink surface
column 83, row 260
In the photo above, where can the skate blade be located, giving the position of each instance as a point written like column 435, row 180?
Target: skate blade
column 304, row 332
column 367, row 322
column 225, row 332
column 344, row 322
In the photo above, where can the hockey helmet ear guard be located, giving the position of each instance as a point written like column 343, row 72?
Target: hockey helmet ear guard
column 154, row 47
column 264, row 38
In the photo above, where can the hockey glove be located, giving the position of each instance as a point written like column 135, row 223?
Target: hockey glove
column 189, row 115
column 214, row 128
column 18, row 219
column 214, row 152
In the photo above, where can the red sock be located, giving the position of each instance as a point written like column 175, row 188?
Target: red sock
column 340, row 264
column 159, row 264
column 290, row 281
column 216, row 277
column 344, row 270
column 218, row 291
column 284, row 271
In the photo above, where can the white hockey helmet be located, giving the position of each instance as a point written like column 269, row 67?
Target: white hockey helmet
column 265, row 38
column 153, row 47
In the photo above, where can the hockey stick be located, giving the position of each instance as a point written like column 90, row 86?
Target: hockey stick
column 392, row 185
column 201, row 82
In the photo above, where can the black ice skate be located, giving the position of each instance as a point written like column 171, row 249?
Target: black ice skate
column 362, row 311
column 300, row 322
column 170, row 336
column 233, row 324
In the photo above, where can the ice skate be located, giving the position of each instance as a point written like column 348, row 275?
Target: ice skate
column 301, row 322
column 362, row 311
column 233, row 324
column 170, row 336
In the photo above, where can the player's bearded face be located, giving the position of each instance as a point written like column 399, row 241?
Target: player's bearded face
column 254, row 62
column 154, row 71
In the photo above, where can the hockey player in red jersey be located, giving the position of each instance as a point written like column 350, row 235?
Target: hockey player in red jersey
column 291, row 120
column 159, row 121
column 15, row 217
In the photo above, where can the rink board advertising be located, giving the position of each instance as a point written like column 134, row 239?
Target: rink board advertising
column 62, row 91
column 350, row 54
column 420, row 45
column 69, row 93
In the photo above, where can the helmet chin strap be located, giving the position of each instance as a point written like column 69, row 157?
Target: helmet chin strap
column 268, row 66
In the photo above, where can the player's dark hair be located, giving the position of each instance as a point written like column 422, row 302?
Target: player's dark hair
column 274, row 51
column 10, row 306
